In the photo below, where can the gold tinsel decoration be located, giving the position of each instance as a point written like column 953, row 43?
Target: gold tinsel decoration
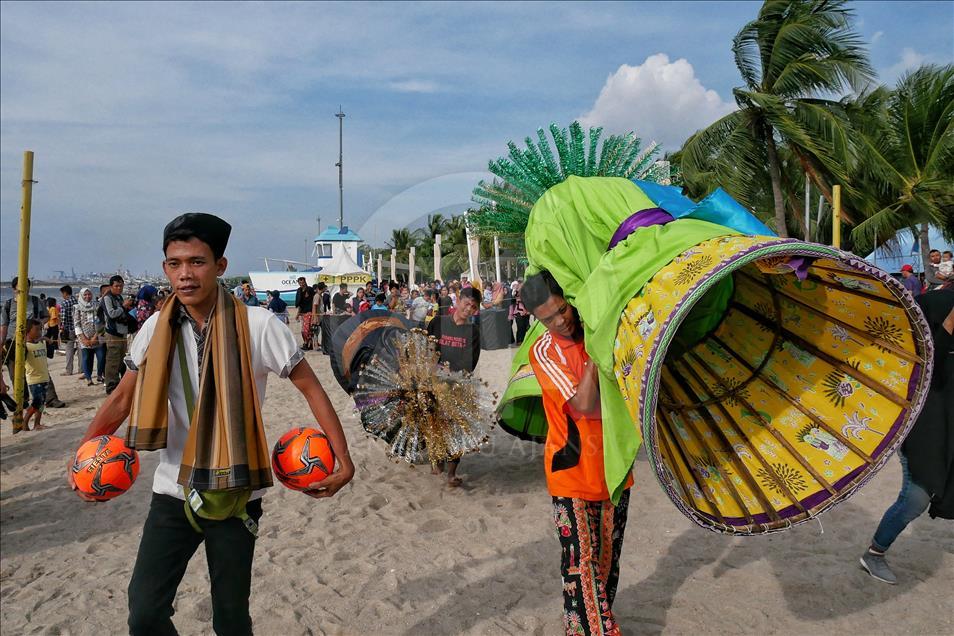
column 422, row 409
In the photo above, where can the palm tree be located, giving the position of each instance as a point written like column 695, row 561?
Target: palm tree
column 905, row 169
column 436, row 223
column 454, row 246
column 793, row 50
column 402, row 239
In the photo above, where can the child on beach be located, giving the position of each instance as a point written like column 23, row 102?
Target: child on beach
column 945, row 268
column 590, row 527
column 53, row 322
column 37, row 375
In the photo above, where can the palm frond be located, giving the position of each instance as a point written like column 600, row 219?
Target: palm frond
column 524, row 175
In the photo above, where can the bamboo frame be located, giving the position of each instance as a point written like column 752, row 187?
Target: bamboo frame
column 772, row 430
column 878, row 342
column 683, row 457
column 871, row 383
column 744, row 473
column 791, row 400
column 711, row 458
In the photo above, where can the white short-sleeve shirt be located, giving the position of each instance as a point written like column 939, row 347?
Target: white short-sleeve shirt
column 273, row 349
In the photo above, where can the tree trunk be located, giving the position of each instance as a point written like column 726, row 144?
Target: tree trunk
column 924, row 241
column 775, row 174
column 811, row 167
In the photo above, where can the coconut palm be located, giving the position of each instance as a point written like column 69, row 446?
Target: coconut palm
column 792, row 52
column 905, row 168
column 435, row 224
column 454, row 246
column 402, row 239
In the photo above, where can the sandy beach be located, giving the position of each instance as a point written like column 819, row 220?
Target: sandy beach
column 397, row 552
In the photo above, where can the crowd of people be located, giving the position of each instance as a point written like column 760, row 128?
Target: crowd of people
column 420, row 304
column 938, row 275
column 91, row 329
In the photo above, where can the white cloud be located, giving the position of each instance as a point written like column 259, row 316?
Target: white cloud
column 657, row 99
column 414, row 86
column 910, row 60
column 877, row 36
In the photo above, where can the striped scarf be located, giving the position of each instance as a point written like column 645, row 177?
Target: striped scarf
column 226, row 447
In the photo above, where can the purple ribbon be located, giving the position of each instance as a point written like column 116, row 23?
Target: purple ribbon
column 799, row 265
column 643, row 218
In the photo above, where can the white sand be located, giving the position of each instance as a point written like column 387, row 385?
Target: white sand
column 397, row 552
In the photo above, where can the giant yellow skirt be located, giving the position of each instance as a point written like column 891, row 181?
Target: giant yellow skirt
column 793, row 400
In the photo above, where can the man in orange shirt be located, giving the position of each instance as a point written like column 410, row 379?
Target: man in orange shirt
column 590, row 526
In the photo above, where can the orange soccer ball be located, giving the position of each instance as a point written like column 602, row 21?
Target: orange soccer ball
column 105, row 467
column 302, row 457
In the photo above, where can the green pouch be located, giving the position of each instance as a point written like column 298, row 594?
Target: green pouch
column 219, row 505
column 215, row 505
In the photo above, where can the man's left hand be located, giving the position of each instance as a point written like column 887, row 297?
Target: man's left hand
column 331, row 484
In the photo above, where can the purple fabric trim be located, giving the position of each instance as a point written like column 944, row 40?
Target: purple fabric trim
column 643, row 218
column 800, row 265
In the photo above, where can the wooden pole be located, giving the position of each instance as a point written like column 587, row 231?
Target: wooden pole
column 380, row 270
column 393, row 264
column 23, row 290
column 410, row 267
column 836, row 217
column 437, row 258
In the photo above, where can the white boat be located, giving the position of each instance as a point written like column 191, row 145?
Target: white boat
column 284, row 278
column 336, row 250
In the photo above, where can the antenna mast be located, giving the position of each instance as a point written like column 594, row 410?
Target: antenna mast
column 340, row 115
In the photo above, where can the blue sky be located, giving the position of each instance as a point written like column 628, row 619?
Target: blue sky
column 140, row 111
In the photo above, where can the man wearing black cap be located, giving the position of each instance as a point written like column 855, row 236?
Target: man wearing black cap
column 196, row 381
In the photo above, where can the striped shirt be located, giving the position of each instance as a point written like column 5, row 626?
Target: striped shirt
column 573, row 453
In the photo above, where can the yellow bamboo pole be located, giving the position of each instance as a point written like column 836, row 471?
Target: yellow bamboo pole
column 836, row 216
column 23, row 290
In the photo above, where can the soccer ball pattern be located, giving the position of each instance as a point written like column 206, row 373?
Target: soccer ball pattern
column 302, row 457
column 104, row 467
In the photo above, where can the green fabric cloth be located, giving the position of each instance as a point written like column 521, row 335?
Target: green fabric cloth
column 568, row 232
column 519, row 410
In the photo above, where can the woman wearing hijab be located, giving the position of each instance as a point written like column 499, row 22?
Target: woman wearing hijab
column 87, row 327
column 145, row 304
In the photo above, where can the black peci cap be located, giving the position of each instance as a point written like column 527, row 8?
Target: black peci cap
column 208, row 228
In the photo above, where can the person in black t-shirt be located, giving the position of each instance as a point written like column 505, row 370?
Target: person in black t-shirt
column 304, row 298
column 340, row 300
column 458, row 341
